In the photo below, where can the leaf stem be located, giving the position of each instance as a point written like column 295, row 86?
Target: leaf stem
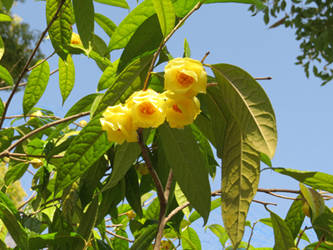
column 41, row 61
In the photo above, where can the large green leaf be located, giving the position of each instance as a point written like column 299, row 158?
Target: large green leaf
column 153, row 210
column 295, row 217
column 187, row 164
column 14, row 227
column 130, row 80
column 315, row 200
column 2, row 47
column 144, row 41
column 5, row 76
column 133, row 195
column 9, row 205
column 282, row 235
column 240, row 178
column 54, row 239
column 5, row 18
column 166, row 15
column 37, row 82
column 249, row 104
column 317, row 180
column 131, row 22
column 99, row 46
column 106, row 24
column 190, row 239
column 117, row 3
column 60, row 31
column 205, row 126
column 84, row 18
column 86, row 148
column 323, row 224
column 66, row 77
column 8, row 4
column 145, row 239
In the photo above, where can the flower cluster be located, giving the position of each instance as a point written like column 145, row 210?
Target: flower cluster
column 184, row 78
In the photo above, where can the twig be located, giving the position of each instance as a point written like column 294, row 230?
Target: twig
column 204, row 58
column 319, row 242
column 115, row 225
column 32, row 214
column 300, row 235
column 32, row 156
column 276, row 190
column 265, row 203
column 31, row 172
column 25, row 69
column 27, row 201
column 248, row 244
column 282, row 196
column 11, row 147
column 118, row 236
column 41, row 61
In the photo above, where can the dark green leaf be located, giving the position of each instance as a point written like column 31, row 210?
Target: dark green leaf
column 66, row 77
column 295, row 217
column 133, row 192
column 4, row 75
column 166, row 15
column 206, row 127
column 54, row 239
column 37, row 82
column 8, row 4
column 106, row 24
column 117, row 3
column 102, row 245
column 15, row 173
column 145, row 239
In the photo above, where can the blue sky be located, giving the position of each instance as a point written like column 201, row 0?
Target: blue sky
column 303, row 108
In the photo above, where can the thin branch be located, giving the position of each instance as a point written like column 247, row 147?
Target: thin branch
column 25, row 69
column 41, row 61
column 248, row 244
column 32, row 214
column 28, row 200
column 118, row 236
column 5, row 153
column 265, row 203
column 115, row 225
column 204, row 58
column 277, row 190
column 31, row 172
column 319, row 242
column 282, row 196
column 213, row 84
column 32, row 156
column 300, row 235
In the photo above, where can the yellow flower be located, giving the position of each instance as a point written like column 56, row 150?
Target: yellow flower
column 185, row 77
column 182, row 112
column 83, row 123
column 130, row 214
column 36, row 163
column 76, row 39
column 147, row 108
column 118, row 123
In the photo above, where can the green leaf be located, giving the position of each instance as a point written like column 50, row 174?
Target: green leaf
column 315, row 200
column 37, row 82
column 249, row 104
column 2, row 48
column 187, row 163
column 265, row 159
column 214, row 204
column 322, row 246
column 105, row 23
column 14, row 227
column 108, row 77
column 187, row 50
column 54, row 239
column 295, row 217
column 60, row 31
column 240, row 178
column 153, row 210
column 131, row 22
column 323, row 224
column 258, row 3
column 120, row 243
column 84, row 18
column 5, row 18
column 166, row 15
column 181, row 199
column 8, row 4
column 117, row 3
column 220, row 232
column 10, row 205
column 86, row 148
column 4, row 75
column 317, row 180
column 15, row 173
column 205, row 126
column 144, row 41
column 99, row 46
column 182, row 8
column 2, row 107
column 133, row 195
column 190, row 239
column 145, row 239
column 283, row 238
column 66, row 77
column 130, row 80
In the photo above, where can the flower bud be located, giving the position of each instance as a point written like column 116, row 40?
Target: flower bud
column 83, row 123
column 130, row 214
column 36, row 163
column 76, row 39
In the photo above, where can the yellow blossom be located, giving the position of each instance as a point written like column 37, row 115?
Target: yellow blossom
column 147, row 108
column 76, row 39
column 184, row 78
column 83, row 123
column 182, row 112
column 130, row 214
column 37, row 113
column 36, row 163
column 118, row 123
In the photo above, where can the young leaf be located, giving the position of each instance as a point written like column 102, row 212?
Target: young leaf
column 182, row 8
column 4, row 75
column 37, row 82
column 2, row 47
column 265, row 159
column 283, row 238
column 133, row 192
column 220, row 232
column 315, row 200
column 240, row 178
column 66, row 77
column 86, row 148
column 295, row 217
column 190, row 239
column 187, row 163
column 166, row 15
column 153, row 210
column 117, row 3
column 106, row 24
column 131, row 22
column 108, row 77
column 249, row 104
column 181, row 199
column 187, row 50
column 84, row 17
column 258, row 3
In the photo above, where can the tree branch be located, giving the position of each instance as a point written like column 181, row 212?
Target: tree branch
column 118, row 236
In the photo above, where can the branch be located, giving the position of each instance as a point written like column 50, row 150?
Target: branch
column 276, row 190
column 213, row 84
column 5, row 153
column 32, row 156
column 248, row 244
column 41, row 61
column 301, row 234
column 25, row 69
column 118, row 236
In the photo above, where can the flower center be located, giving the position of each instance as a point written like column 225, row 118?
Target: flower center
column 175, row 108
column 147, row 108
column 184, row 79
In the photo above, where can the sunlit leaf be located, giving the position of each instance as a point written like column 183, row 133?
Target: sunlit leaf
column 259, row 4
column 187, row 50
column 323, row 224
column 265, row 159
column 182, row 8
column 166, row 15
column 120, row 243
column 220, row 232
column 5, row 76
column 315, row 200
column 66, row 77
column 16, row 172
column 190, row 239
column 106, row 24
column 153, row 210
column 117, row 3
column 108, row 77
column 99, row 46
column 5, row 18
column 2, row 47
column 214, row 204
column 295, row 217
column 181, row 199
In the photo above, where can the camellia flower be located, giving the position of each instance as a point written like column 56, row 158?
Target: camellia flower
column 76, row 39
column 118, row 123
column 182, row 112
column 185, row 78
column 147, row 108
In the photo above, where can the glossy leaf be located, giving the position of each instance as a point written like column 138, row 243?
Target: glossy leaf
column 323, row 224
column 16, row 172
column 249, row 104
column 5, row 76
column 86, row 148
column 317, row 180
column 283, row 238
column 131, row 22
column 66, row 77
column 108, row 77
column 84, row 18
column 105, row 23
column 2, row 48
column 37, row 82
column 127, row 82
column 166, row 15
column 133, row 192
column 5, row 18
column 190, row 239
column 54, row 239
column 295, row 217
column 145, row 239
column 117, row 3
column 145, row 41
column 240, row 178
column 315, row 200
column 265, row 159
column 187, row 163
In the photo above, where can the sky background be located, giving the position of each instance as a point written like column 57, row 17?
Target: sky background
column 302, row 107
